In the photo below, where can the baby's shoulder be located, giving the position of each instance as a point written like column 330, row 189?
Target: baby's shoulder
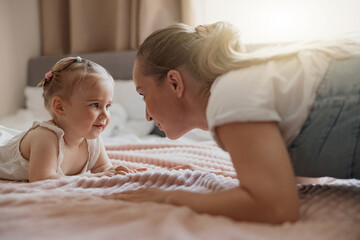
column 38, row 137
column 41, row 134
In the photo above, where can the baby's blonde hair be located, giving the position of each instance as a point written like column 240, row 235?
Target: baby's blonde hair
column 208, row 51
column 68, row 74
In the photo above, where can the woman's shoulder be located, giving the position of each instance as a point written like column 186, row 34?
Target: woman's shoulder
column 242, row 78
column 266, row 71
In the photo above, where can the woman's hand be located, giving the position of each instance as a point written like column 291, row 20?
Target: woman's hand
column 197, row 168
column 142, row 195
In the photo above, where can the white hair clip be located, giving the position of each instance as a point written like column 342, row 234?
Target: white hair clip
column 78, row 59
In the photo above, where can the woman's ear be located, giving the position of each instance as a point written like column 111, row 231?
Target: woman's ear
column 175, row 82
column 57, row 104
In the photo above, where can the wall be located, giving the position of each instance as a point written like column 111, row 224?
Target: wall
column 284, row 20
column 19, row 41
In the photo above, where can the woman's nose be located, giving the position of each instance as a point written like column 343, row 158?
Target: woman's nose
column 148, row 117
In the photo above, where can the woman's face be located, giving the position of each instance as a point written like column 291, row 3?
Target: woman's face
column 163, row 106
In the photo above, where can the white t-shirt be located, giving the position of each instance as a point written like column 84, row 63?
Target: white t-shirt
column 280, row 90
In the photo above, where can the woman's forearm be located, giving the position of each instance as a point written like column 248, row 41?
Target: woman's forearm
column 238, row 204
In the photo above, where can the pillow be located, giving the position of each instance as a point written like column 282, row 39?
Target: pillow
column 126, row 95
column 34, row 101
column 127, row 111
column 117, row 122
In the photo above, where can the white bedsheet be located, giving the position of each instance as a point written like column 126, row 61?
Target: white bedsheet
column 72, row 208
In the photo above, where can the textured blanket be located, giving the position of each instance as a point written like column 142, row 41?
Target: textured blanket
column 71, row 208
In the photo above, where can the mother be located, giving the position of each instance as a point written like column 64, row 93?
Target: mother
column 279, row 113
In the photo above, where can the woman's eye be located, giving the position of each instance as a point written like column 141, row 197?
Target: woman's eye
column 142, row 95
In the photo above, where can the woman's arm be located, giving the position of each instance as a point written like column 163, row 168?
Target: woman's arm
column 267, row 191
column 307, row 180
column 263, row 167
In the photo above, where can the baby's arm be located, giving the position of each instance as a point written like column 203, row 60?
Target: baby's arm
column 103, row 163
column 43, row 157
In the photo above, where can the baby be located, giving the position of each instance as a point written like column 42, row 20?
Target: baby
column 78, row 94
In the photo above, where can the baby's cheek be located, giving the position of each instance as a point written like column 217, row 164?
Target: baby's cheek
column 107, row 123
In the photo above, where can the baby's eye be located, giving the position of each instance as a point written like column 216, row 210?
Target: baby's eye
column 108, row 106
column 94, row 105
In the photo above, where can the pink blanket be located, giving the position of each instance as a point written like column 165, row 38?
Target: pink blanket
column 70, row 208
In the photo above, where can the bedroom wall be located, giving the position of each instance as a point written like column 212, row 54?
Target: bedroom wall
column 19, row 41
column 283, row 20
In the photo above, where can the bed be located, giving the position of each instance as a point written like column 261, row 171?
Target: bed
column 72, row 207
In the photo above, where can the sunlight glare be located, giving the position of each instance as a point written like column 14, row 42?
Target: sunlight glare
column 286, row 20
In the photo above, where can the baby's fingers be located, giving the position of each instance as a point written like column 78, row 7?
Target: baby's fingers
column 140, row 169
column 122, row 168
column 128, row 170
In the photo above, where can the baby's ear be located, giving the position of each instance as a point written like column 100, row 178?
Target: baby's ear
column 57, row 104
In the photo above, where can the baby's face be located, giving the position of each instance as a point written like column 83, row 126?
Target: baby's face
column 88, row 109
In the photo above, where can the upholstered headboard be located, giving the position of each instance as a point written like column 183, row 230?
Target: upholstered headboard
column 119, row 64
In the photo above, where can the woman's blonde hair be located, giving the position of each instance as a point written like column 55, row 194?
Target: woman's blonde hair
column 68, row 74
column 208, row 51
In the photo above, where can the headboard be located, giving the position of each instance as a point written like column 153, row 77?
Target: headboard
column 119, row 64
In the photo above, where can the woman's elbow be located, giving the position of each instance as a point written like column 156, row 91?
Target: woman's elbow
column 283, row 212
column 286, row 215
column 277, row 213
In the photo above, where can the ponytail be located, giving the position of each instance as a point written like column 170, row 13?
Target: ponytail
column 208, row 51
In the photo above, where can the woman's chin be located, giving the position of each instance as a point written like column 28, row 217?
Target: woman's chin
column 173, row 135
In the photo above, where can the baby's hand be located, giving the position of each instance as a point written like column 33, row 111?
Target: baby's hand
column 115, row 170
column 124, row 170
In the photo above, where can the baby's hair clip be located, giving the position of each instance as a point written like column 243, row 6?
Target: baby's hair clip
column 49, row 75
column 78, row 59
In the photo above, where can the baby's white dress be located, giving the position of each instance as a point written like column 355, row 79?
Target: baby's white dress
column 14, row 167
